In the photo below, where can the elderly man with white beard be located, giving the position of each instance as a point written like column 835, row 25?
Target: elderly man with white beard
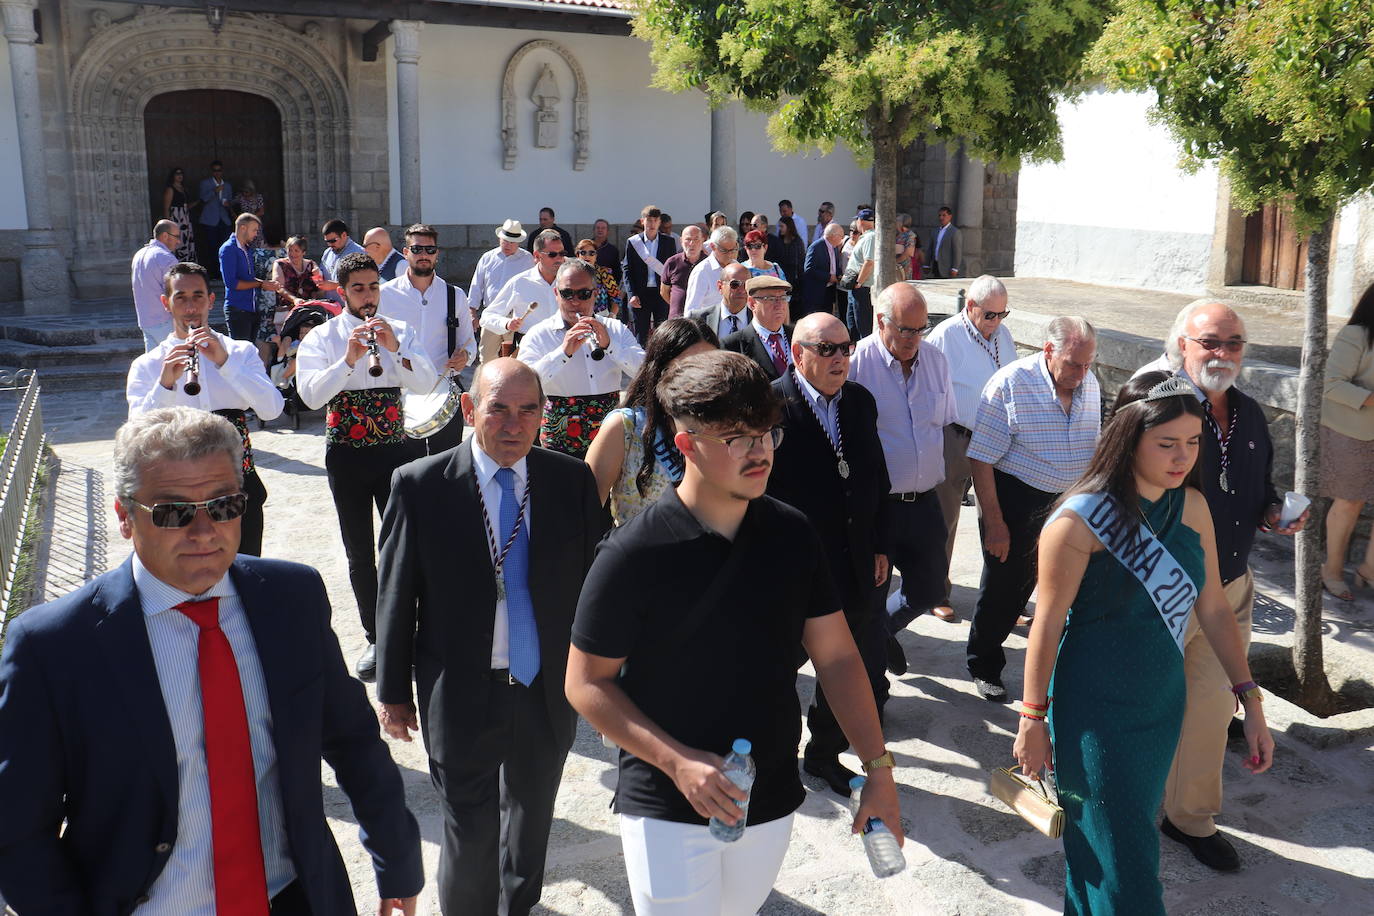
column 1206, row 346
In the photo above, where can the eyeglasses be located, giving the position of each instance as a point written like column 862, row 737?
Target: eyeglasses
column 554, row 255
column 179, row 515
column 753, row 246
column 736, row 284
column 424, row 249
column 586, row 252
column 732, row 248
column 740, row 446
column 825, row 349
column 990, row 316
column 903, row 331
column 583, row 294
column 856, row 232
column 333, row 241
column 772, row 299
column 1234, row 345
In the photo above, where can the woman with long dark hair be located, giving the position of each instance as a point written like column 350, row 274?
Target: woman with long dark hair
column 633, row 456
column 793, row 251
column 746, row 222
column 1347, row 431
column 1125, row 560
column 176, row 207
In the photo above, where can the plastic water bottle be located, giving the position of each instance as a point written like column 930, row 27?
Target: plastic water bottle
column 884, row 855
column 739, row 769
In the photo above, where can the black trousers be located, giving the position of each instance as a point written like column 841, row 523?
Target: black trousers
column 360, row 478
column 916, row 546
column 250, row 537
column 498, row 805
column 1006, row 586
column 652, row 311
column 870, row 635
column 208, row 241
column 291, row 901
column 243, row 325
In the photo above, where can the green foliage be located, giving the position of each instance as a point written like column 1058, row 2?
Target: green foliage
column 1280, row 91
column 983, row 73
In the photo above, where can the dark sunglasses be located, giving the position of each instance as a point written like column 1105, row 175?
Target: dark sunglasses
column 988, row 316
column 585, row 251
column 553, row 254
column 1234, row 345
column 329, row 241
column 825, row 349
column 179, row 515
column 736, row 284
column 424, row 249
column 753, row 245
column 583, row 294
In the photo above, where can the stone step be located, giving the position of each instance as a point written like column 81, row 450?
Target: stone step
column 109, row 354
column 82, row 378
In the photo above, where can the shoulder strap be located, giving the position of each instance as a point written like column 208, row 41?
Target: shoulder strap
column 1169, row 586
column 452, row 324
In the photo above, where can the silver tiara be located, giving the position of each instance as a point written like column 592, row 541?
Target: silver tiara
column 1171, row 387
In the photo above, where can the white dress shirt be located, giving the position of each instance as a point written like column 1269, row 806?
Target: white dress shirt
column 485, row 467
column 719, row 319
column 701, row 283
column 240, row 384
column 912, row 412
column 427, row 313
column 650, row 246
column 186, row 885
column 522, row 289
column 321, row 371
column 149, row 276
column 972, row 360
column 827, row 409
column 494, row 270
column 579, row 375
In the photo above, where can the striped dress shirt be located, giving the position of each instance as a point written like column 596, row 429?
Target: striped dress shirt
column 1022, row 429
column 186, row 886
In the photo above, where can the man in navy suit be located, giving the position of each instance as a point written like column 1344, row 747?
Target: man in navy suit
column 161, row 728
column 216, row 222
column 821, row 272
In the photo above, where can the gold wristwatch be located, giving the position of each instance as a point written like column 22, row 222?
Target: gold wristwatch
column 1249, row 693
column 885, row 760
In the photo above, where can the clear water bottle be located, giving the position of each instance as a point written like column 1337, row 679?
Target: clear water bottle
column 739, row 769
column 884, row 855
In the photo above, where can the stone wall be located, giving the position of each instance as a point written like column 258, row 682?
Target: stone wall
column 999, row 221
column 928, row 178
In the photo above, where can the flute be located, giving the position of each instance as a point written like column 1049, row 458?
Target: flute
column 192, row 386
column 374, row 359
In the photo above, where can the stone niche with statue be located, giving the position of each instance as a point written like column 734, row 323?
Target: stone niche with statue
column 536, row 87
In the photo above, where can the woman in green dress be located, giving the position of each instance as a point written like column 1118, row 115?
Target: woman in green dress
column 1116, row 678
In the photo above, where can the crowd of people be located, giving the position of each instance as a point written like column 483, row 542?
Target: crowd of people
column 653, row 428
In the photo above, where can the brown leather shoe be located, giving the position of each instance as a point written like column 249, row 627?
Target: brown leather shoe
column 945, row 613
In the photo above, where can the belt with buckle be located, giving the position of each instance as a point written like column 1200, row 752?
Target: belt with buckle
column 906, row 497
column 503, row 676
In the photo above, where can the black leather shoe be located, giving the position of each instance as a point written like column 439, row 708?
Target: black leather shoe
column 991, row 690
column 835, row 774
column 1214, row 851
column 896, row 658
column 367, row 665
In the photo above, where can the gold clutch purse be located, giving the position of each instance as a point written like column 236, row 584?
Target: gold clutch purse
column 1030, row 799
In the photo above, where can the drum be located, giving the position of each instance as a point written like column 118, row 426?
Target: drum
column 426, row 414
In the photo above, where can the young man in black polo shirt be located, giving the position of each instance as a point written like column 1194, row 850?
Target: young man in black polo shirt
column 689, row 601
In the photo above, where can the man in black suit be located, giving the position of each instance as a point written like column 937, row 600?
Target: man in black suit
column 764, row 340
column 831, row 467
column 821, row 273
column 483, row 552
column 111, row 798
column 645, row 254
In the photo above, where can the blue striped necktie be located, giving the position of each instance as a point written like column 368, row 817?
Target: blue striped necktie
column 524, row 636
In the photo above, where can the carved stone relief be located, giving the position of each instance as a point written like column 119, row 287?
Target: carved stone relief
column 546, row 114
column 545, row 97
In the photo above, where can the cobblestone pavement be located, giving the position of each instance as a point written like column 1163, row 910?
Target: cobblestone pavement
column 1305, row 831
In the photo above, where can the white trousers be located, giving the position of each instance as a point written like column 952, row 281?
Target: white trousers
column 681, row 870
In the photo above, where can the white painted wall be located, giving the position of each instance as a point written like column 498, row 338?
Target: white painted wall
column 13, row 214
column 1117, row 209
column 646, row 146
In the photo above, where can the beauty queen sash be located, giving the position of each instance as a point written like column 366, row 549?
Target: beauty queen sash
column 1131, row 542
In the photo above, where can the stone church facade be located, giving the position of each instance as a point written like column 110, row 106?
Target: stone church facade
column 462, row 116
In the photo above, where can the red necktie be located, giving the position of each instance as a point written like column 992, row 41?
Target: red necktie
column 240, row 876
column 779, row 358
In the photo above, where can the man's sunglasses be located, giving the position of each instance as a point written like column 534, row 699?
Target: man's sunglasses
column 552, row 255
column 989, row 316
column 179, row 515
column 333, row 241
column 736, row 284
column 583, row 294
column 825, row 349
column 1234, row 345
column 424, row 249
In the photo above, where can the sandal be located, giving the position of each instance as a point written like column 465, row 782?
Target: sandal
column 1335, row 586
column 1364, row 578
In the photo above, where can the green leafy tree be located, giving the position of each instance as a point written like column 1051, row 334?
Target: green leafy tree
column 1280, row 93
column 876, row 74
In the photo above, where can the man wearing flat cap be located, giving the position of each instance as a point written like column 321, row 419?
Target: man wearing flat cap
column 494, row 269
column 767, row 339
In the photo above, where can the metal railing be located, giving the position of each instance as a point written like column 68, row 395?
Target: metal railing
column 18, row 474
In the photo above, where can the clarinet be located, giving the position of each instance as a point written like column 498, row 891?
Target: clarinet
column 598, row 352
column 192, row 386
column 374, row 359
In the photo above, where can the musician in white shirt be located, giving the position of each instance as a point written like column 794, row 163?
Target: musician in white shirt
column 529, row 297
column 365, row 436
column 580, row 360
column 228, row 371
column 420, row 298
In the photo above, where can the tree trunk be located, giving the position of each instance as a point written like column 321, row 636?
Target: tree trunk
column 1314, row 692
column 886, row 131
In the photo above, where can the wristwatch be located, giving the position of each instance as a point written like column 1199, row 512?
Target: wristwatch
column 877, row 763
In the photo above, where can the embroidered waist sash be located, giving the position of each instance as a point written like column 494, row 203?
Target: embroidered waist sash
column 240, row 421
column 1166, row 582
column 370, row 416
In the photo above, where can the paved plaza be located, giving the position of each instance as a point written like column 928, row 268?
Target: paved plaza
column 1305, row 830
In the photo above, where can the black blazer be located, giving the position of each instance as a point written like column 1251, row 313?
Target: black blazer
column 846, row 512
column 436, row 599
column 747, row 341
column 637, row 272
column 84, row 736
column 816, row 292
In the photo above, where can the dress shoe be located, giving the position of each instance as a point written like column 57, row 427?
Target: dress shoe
column 991, row 690
column 835, row 774
column 367, row 665
column 944, row 612
column 896, row 658
column 1214, row 851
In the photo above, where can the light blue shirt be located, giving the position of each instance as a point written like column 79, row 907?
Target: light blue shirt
column 912, row 411
column 827, row 410
column 186, row 886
